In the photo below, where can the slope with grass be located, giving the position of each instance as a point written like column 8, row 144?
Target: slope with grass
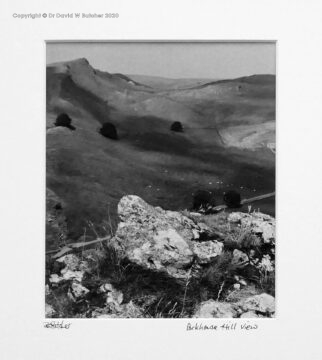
column 227, row 128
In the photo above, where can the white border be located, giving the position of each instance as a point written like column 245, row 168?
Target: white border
column 295, row 333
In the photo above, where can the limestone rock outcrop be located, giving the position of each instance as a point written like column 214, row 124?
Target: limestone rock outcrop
column 160, row 240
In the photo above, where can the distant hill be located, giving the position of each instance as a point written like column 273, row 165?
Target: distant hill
column 160, row 83
column 229, row 133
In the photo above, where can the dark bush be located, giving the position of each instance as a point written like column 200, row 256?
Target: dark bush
column 203, row 199
column 109, row 130
column 177, row 126
column 65, row 121
column 58, row 206
column 232, row 199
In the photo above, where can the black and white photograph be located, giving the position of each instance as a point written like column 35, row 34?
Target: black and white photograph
column 160, row 179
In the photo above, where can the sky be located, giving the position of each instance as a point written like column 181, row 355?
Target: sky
column 172, row 60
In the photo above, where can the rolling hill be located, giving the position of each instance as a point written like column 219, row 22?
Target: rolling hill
column 229, row 133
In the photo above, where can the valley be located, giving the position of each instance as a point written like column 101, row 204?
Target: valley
column 228, row 134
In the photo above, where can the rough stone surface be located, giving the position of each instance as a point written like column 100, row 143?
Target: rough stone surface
column 114, row 297
column 73, row 262
column 263, row 303
column 160, row 240
column 249, row 307
column 207, row 251
column 236, row 286
column 49, row 310
column 243, row 282
column 55, row 279
column 47, row 290
column 78, row 290
column 132, row 311
column 215, row 309
column 259, row 223
column 74, row 269
column 266, row 264
column 72, row 275
column 129, row 310
column 249, row 314
column 239, row 258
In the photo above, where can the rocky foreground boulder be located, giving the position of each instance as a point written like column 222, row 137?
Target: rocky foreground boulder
column 169, row 242
column 160, row 240
column 165, row 263
column 259, row 224
column 262, row 305
column 247, row 303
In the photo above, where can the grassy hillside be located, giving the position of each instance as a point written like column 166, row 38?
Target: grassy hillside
column 228, row 126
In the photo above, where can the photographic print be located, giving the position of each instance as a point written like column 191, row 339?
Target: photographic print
column 160, row 179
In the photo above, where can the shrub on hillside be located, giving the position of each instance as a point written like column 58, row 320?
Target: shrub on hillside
column 203, row 200
column 109, row 130
column 65, row 121
column 232, row 199
column 177, row 126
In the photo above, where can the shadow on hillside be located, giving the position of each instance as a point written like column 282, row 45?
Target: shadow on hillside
column 79, row 97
